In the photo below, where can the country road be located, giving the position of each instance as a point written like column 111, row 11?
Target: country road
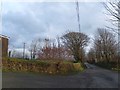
column 93, row 77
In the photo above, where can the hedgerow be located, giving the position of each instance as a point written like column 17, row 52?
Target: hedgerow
column 40, row 66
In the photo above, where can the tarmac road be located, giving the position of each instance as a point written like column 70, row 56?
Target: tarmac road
column 93, row 77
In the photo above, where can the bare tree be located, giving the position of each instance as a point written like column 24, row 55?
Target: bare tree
column 35, row 47
column 113, row 7
column 76, row 42
column 53, row 51
column 91, row 55
column 59, row 47
column 46, row 51
column 105, row 45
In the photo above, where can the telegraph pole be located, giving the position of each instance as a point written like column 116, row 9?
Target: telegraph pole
column 24, row 50
column 78, row 17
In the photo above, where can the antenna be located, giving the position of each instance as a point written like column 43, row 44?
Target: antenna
column 78, row 17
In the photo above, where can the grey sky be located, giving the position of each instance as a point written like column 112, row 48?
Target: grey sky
column 24, row 21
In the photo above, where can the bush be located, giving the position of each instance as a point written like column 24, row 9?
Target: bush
column 78, row 67
column 111, row 65
column 40, row 66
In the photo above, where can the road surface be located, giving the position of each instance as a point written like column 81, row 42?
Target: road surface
column 93, row 77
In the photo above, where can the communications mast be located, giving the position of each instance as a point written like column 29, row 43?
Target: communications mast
column 78, row 17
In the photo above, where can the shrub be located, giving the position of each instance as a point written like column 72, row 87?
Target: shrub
column 78, row 67
column 111, row 65
column 50, row 67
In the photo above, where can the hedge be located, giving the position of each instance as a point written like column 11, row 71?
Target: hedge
column 39, row 66
column 111, row 65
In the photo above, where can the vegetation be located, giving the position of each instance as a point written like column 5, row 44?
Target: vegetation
column 49, row 57
column 106, row 49
column 113, row 9
column 104, row 53
column 76, row 42
column 40, row 66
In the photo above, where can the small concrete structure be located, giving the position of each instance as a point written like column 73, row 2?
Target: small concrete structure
column 3, row 46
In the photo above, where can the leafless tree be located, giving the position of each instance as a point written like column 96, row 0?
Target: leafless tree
column 105, row 45
column 113, row 7
column 53, row 51
column 91, row 55
column 76, row 42
column 35, row 47
column 59, row 47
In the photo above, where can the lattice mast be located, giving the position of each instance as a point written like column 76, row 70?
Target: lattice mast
column 78, row 16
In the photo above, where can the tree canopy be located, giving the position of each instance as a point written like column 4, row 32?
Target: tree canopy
column 76, row 42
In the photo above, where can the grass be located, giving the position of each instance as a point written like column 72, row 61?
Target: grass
column 52, row 67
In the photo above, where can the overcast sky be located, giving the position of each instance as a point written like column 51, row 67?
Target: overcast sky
column 25, row 21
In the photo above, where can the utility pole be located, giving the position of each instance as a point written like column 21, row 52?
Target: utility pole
column 24, row 50
column 78, row 17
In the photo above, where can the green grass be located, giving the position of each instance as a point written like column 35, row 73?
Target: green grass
column 52, row 67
